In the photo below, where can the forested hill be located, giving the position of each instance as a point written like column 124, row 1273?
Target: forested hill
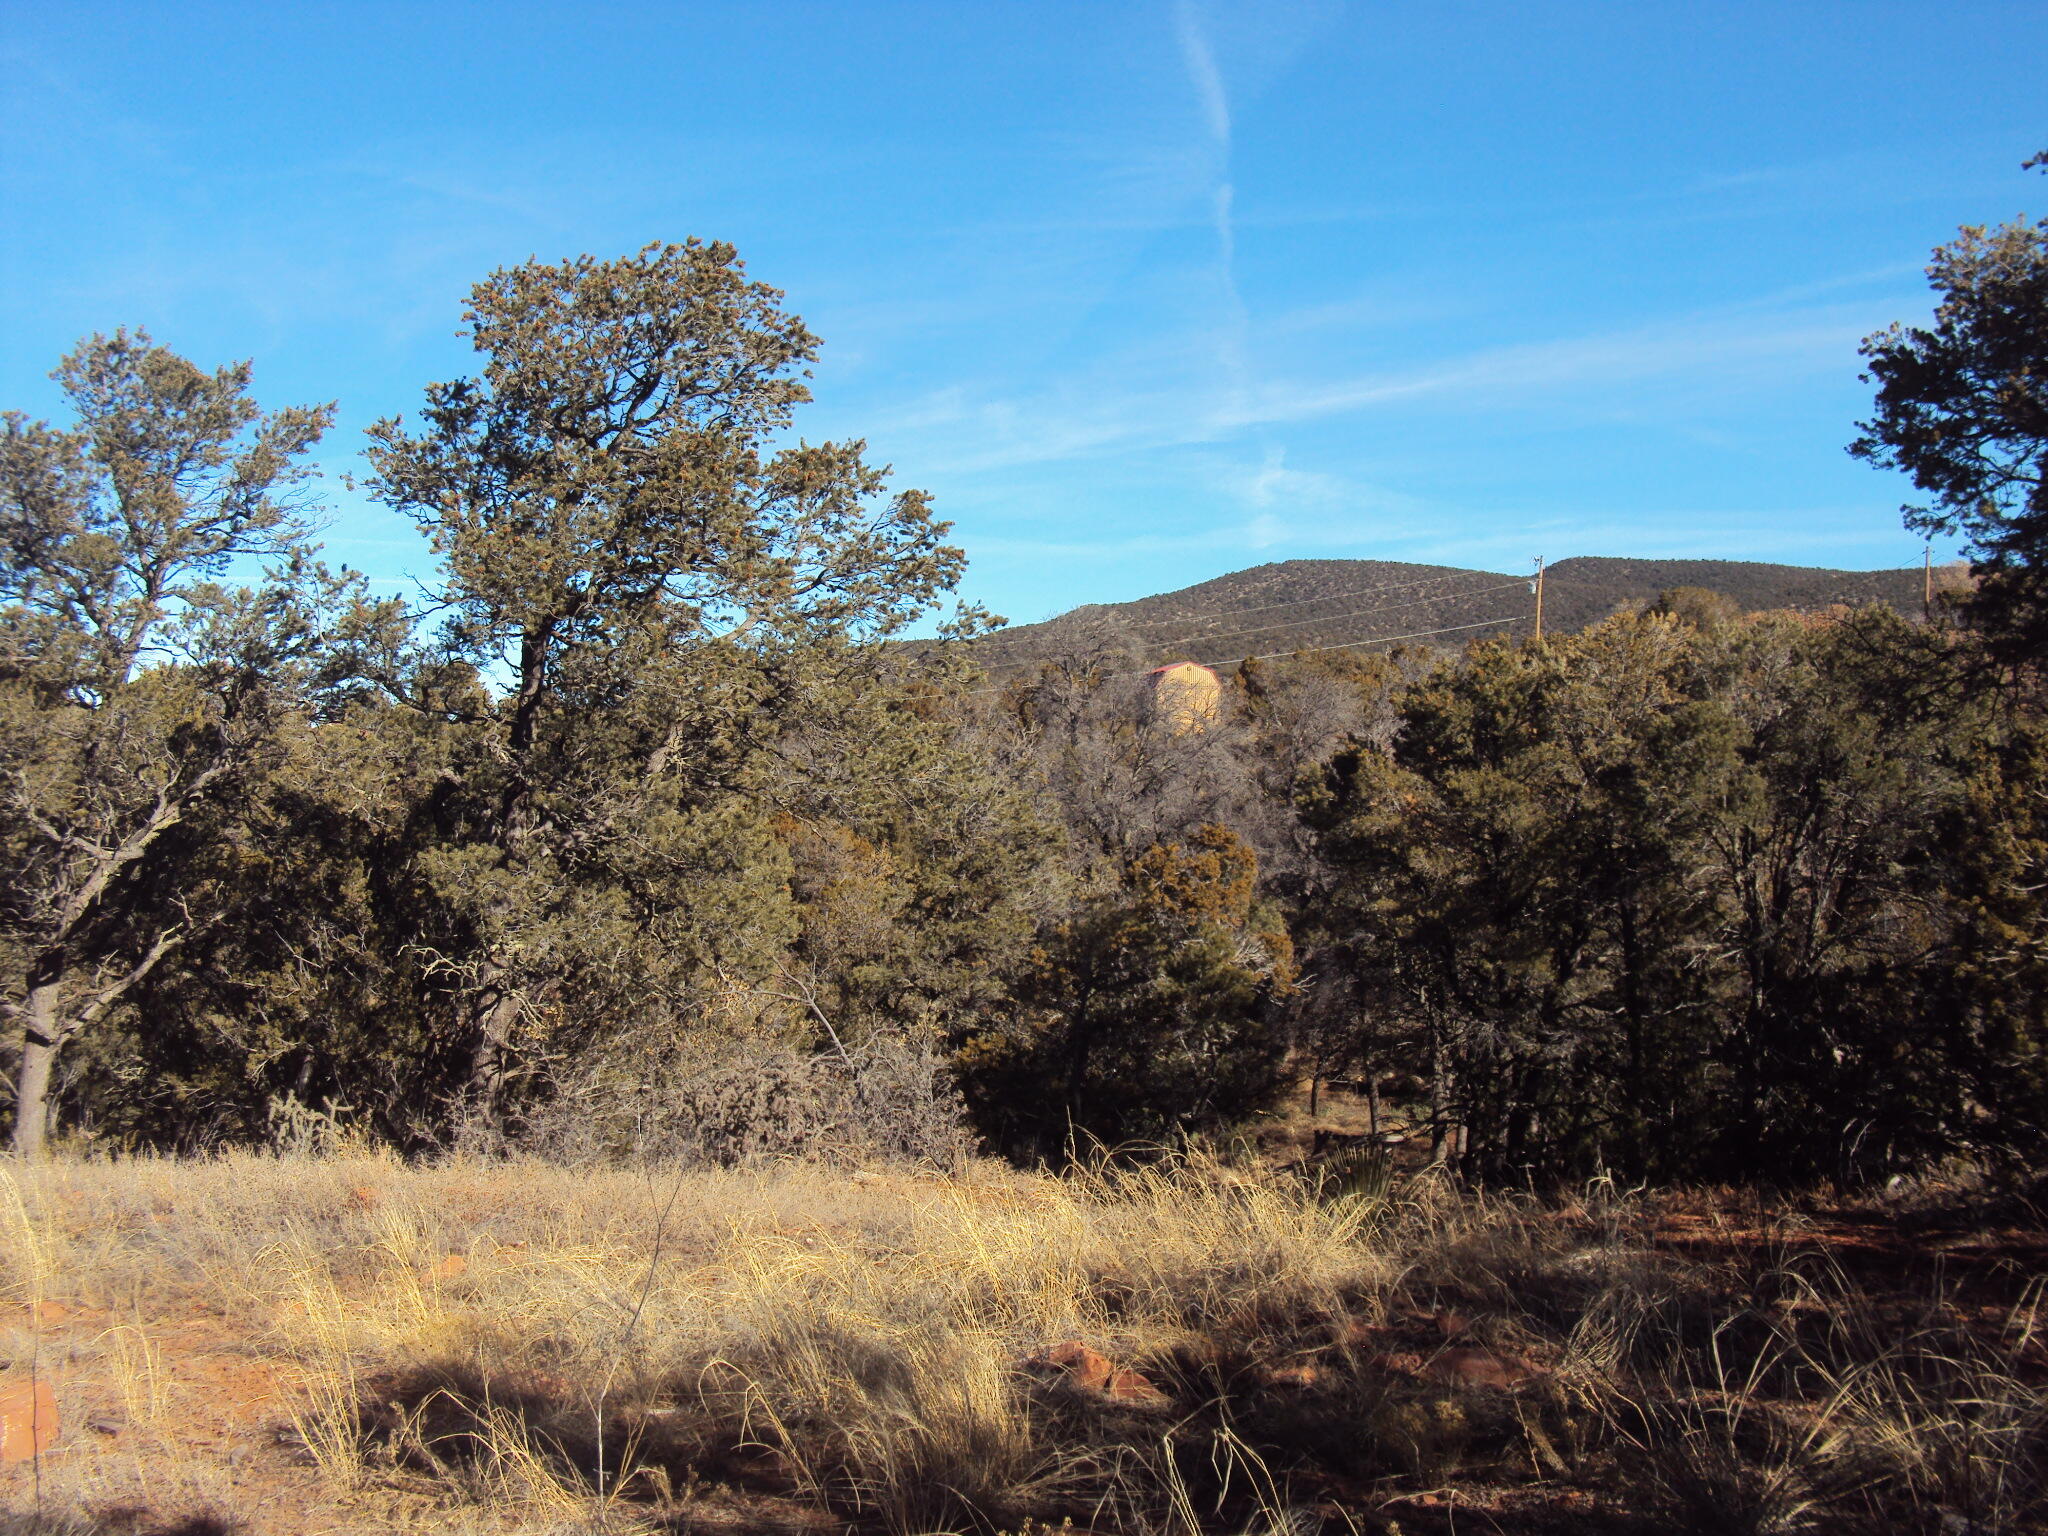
column 1306, row 603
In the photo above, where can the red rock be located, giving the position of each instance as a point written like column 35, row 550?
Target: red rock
column 1130, row 1387
column 1298, row 1376
column 51, row 1313
column 1093, row 1371
column 1357, row 1330
column 28, row 1420
column 1405, row 1363
column 449, row 1268
column 1083, row 1366
column 1478, row 1368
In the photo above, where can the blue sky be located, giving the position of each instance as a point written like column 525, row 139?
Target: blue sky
column 1143, row 293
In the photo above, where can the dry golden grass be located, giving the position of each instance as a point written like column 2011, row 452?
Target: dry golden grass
column 353, row 1344
column 861, row 1330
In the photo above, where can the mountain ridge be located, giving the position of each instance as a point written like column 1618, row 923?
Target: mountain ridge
column 1290, row 605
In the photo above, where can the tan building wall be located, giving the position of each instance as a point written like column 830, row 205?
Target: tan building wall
column 1187, row 697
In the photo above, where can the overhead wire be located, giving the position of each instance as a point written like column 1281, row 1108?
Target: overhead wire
column 1337, row 597
column 1311, row 650
column 1352, row 645
column 1356, row 613
column 1198, row 640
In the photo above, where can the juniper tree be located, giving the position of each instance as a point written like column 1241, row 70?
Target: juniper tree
column 1703, row 895
column 642, row 580
column 1962, row 407
column 139, row 689
column 1150, row 1013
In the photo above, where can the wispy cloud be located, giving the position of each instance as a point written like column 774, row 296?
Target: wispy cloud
column 1425, row 534
column 1109, row 409
column 1532, row 372
column 1233, row 325
column 1203, row 73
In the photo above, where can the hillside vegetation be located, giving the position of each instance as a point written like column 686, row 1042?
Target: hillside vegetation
column 651, row 837
column 1306, row 604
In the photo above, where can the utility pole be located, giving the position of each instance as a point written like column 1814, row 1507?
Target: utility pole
column 1536, row 586
column 1927, row 583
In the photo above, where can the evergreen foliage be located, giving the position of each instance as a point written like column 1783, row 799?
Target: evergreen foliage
column 1674, row 900
column 143, row 696
column 1962, row 407
column 653, row 835
column 660, row 592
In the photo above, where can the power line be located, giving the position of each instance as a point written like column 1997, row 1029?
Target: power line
column 1352, row 645
column 1336, row 597
column 1357, row 613
column 1298, row 602
column 1311, row 650
column 1321, row 619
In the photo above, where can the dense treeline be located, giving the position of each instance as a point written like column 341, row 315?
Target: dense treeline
column 650, row 832
column 1692, row 893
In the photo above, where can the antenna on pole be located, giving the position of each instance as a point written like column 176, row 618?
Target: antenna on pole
column 1536, row 586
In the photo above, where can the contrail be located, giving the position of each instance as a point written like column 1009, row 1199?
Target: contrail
column 1208, row 80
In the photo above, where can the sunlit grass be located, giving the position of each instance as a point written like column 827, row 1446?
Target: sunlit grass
column 535, row 1347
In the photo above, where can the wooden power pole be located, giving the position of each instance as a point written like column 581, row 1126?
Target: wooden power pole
column 1927, row 582
column 1538, row 586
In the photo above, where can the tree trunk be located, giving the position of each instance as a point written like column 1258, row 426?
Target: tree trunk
column 41, row 1040
column 493, row 1006
column 1442, row 1142
column 494, row 1014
